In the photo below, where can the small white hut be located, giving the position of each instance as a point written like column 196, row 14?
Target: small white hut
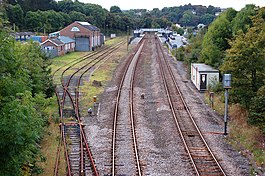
column 203, row 75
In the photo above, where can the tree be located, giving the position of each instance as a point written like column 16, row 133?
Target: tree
column 115, row 9
column 187, row 18
column 257, row 109
column 245, row 60
column 179, row 30
column 34, row 21
column 33, row 5
column 194, row 49
column 216, row 39
column 201, row 10
column 242, row 20
column 77, row 16
column 24, row 78
column 15, row 15
column 18, row 146
column 146, row 23
column 96, row 14
column 66, row 6
column 207, row 18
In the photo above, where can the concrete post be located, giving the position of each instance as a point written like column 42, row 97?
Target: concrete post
column 226, row 111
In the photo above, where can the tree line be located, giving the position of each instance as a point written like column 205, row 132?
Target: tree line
column 235, row 43
column 50, row 15
column 25, row 94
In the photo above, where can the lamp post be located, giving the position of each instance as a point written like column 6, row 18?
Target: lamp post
column 226, row 85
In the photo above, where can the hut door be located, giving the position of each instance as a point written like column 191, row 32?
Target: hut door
column 203, row 83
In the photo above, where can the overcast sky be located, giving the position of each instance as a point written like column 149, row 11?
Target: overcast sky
column 150, row 4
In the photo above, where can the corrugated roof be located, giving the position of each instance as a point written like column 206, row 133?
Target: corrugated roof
column 57, row 41
column 203, row 67
column 65, row 39
column 88, row 26
column 91, row 27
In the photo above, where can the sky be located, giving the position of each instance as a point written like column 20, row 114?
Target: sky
column 150, row 4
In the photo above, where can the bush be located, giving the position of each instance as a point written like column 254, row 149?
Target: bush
column 180, row 53
column 215, row 86
column 257, row 109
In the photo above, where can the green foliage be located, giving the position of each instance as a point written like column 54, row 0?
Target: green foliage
column 216, row 86
column 257, row 109
column 216, row 39
column 115, row 9
column 49, row 20
column 245, row 60
column 33, row 5
column 179, row 30
column 193, row 50
column 180, row 53
column 50, row 15
column 242, row 20
column 207, row 19
column 77, row 16
column 34, row 63
column 24, row 81
column 15, row 15
column 34, row 21
column 21, row 127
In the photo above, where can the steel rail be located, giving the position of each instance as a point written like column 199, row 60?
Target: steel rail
column 83, row 140
column 116, row 110
column 65, row 86
column 80, row 58
column 190, row 116
column 102, row 53
column 173, row 110
column 57, row 160
column 66, row 152
column 132, row 114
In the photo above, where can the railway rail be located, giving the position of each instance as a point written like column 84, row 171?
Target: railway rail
column 202, row 158
column 124, row 132
column 78, row 157
column 124, row 151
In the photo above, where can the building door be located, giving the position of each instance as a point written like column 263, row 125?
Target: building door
column 82, row 44
column 203, row 82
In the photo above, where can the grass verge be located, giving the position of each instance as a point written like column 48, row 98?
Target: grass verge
column 62, row 60
column 50, row 142
column 103, row 74
column 247, row 139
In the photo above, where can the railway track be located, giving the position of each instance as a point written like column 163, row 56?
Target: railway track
column 125, row 158
column 201, row 157
column 78, row 157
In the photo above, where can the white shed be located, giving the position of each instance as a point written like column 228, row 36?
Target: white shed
column 203, row 75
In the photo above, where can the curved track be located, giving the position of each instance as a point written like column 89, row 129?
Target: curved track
column 78, row 157
column 202, row 158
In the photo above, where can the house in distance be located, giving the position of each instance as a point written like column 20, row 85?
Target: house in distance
column 78, row 36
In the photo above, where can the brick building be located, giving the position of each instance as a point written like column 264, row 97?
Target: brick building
column 86, row 36
column 53, row 47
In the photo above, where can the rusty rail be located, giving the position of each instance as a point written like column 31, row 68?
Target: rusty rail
column 218, row 170
column 116, row 111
